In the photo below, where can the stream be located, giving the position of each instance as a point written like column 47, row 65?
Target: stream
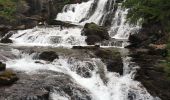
column 77, row 74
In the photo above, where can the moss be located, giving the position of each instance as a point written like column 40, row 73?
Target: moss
column 8, row 77
column 7, row 74
column 93, row 26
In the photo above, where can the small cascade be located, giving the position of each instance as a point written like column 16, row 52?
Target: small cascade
column 120, row 29
column 96, row 11
column 74, row 13
column 90, row 74
column 52, row 36
column 106, row 13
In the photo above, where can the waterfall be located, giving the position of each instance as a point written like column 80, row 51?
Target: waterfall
column 101, row 84
column 87, row 77
column 107, row 13
column 43, row 36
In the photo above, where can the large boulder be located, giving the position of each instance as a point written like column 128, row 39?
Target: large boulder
column 7, row 77
column 95, row 33
column 48, row 56
column 112, row 59
column 2, row 66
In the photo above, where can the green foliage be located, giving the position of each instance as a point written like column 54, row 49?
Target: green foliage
column 8, row 8
column 147, row 11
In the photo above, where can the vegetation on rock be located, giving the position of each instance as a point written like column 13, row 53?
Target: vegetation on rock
column 149, row 11
column 95, row 33
column 7, row 77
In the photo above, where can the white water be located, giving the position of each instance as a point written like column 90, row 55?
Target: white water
column 74, row 13
column 117, row 87
column 120, row 29
column 49, row 36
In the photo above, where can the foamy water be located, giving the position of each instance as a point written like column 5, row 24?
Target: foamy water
column 117, row 87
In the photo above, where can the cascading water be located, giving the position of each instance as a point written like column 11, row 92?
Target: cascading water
column 102, row 12
column 49, row 36
column 101, row 84
column 85, row 73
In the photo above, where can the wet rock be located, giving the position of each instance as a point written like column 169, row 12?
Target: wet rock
column 112, row 59
column 151, row 73
column 2, row 66
column 85, row 71
column 149, row 34
column 6, row 39
column 87, row 47
column 61, row 23
column 92, row 39
column 48, row 55
column 94, row 33
column 41, row 86
column 4, row 29
column 7, row 77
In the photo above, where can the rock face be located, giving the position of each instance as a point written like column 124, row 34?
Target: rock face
column 48, row 56
column 112, row 60
column 151, row 73
column 94, row 33
column 149, row 34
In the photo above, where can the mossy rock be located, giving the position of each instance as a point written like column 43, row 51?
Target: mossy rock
column 2, row 66
column 7, row 77
column 95, row 33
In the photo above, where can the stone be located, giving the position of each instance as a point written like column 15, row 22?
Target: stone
column 112, row 59
column 7, row 77
column 95, row 33
column 48, row 56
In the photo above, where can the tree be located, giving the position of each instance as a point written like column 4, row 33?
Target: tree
column 149, row 11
